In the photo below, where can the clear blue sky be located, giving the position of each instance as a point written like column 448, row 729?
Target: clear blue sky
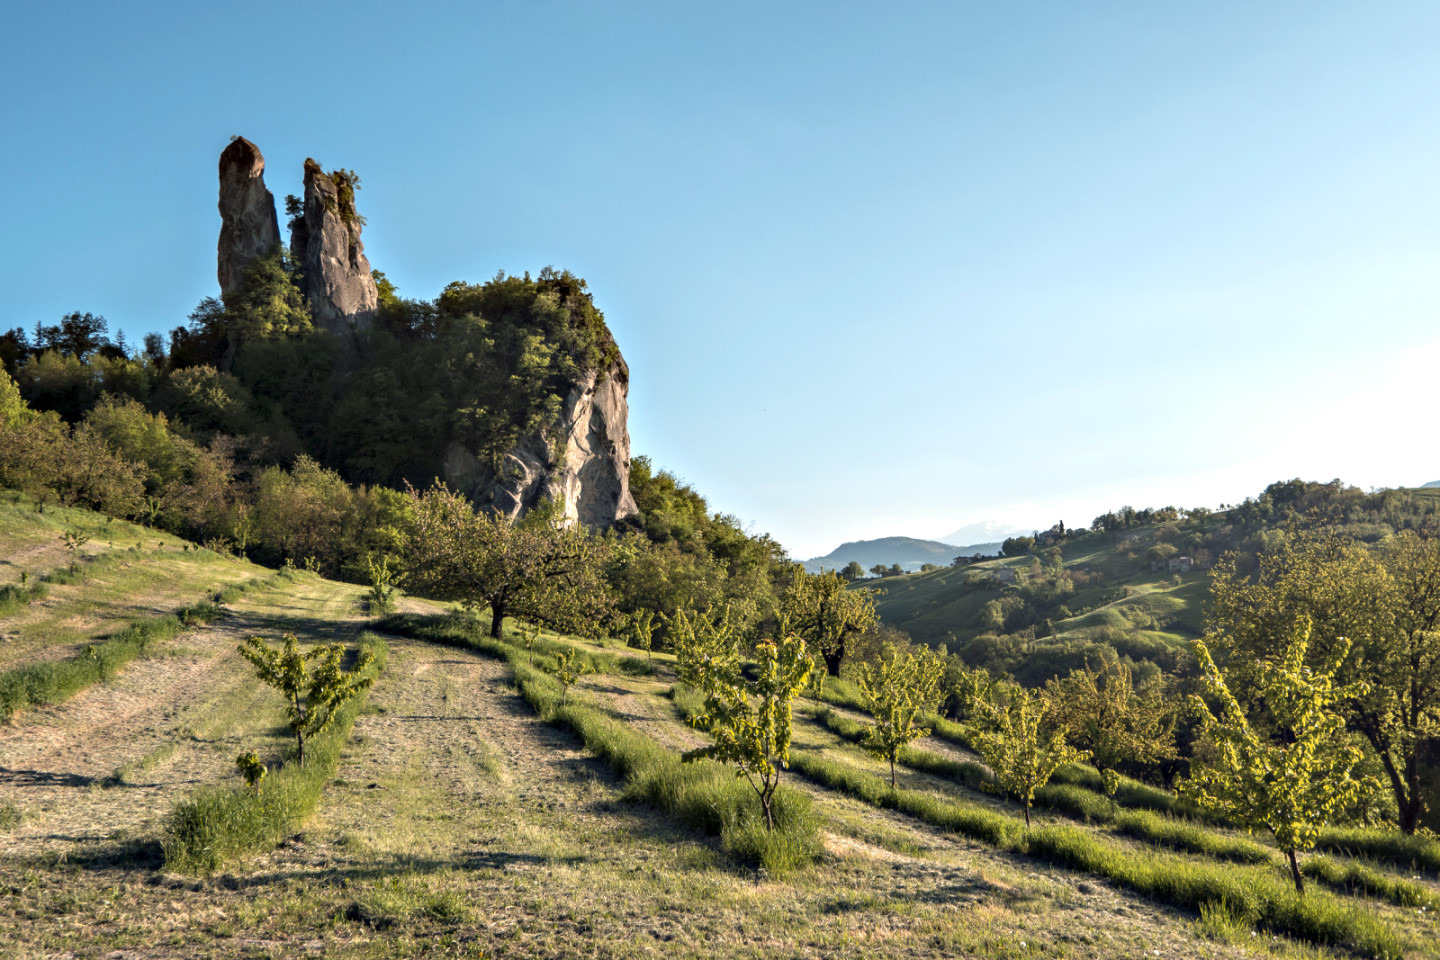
column 877, row 269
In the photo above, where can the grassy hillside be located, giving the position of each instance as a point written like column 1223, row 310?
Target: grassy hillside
column 1108, row 598
column 465, row 819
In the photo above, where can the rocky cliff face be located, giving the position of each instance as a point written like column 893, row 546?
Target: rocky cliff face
column 248, row 226
column 583, row 459
column 326, row 240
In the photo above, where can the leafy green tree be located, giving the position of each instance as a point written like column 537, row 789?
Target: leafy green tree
column 898, row 691
column 530, row 569
column 826, row 613
column 313, row 694
column 12, row 407
column 1294, row 781
column 1383, row 600
column 74, row 540
column 853, row 571
column 750, row 720
column 1021, row 753
column 1111, row 721
column 879, row 569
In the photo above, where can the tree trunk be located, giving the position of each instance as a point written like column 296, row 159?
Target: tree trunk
column 892, row 771
column 1027, row 814
column 497, row 620
column 833, row 659
column 1295, row 872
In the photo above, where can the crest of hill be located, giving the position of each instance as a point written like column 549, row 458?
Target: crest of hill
column 909, row 552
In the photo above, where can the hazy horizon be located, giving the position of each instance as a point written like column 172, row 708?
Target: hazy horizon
column 876, row 273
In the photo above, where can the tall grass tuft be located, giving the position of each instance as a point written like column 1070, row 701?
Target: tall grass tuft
column 13, row 596
column 1359, row 879
column 217, row 824
column 1387, row 845
column 56, row 681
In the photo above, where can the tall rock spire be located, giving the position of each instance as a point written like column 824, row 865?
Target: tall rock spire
column 336, row 276
column 249, row 228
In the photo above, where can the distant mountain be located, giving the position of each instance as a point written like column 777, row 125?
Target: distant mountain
column 1432, row 483
column 987, row 531
column 910, row 553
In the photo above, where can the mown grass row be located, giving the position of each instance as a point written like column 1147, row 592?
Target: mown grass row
column 218, row 823
column 705, row 796
column 461, row 630
column 54, row 681
column 1263, row 897
column 1081, row 804
column 1381, row 844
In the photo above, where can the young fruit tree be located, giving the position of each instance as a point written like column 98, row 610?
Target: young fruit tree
column 1107, row 718
column 749, row 720
column 532, row 568
column 640, row 631
column 1019, row 751
column 568, row 669
column 898, row 691
column 1293, row 778
column 385, row 579
column 313, row 694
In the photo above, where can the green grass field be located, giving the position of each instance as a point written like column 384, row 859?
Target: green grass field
column 462, row 816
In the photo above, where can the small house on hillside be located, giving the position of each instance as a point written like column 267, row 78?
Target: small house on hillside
column 1173, row 565
column 1005, row 574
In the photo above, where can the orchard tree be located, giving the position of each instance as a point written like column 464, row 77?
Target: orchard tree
column 853, row 571
column 313, row 694
column 898, row 691
column 826, row 614
column 1022, row 755
column 750, row 720
column 640, row 631
column 1107, row 718
column 1290, row 781
column 1385, row 600
column 532, row 568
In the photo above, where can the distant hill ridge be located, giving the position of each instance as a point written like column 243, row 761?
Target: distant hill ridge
column 909, row 552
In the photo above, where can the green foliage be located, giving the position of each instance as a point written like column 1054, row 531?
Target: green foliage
column 749, row 720
column 13, row 408
column 530, row 569
column 567, row 671
column 217, row 824
column 639, row 628
column 1291, row 784
column 314, row 695
column 251, row 769
column 1110, row 721
column 898, row 691
column 826, row 614
column 1020, row 754
column 385, row 578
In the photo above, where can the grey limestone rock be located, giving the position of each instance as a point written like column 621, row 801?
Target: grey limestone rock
column 326, row 239
column 583, row 459
column 249, row 228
